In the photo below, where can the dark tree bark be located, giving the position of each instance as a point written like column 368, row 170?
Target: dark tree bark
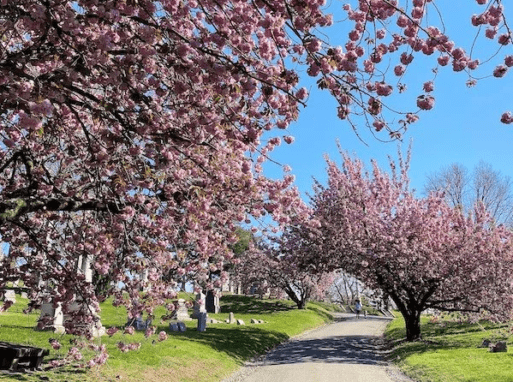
column 299, row 300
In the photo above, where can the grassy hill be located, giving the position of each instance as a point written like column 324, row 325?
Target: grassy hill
column 451, row 351
column 189, row 356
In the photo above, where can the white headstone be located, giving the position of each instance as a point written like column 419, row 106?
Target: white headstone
column 9, row 295
column 55, row 316
column 86, row 268
column 199, row 305
column 51, row 318
column 182, row 313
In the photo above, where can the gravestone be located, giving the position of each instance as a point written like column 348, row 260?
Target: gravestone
column 9, row 295
column 181, row 314
column 240, row 322
column 182, row 327
column 231, row 318
column 212, row 303
column 144, row 279
column 499, row 347
column 139, row 324
column 202, row 322
column 486, row 343
column 51, row 318
column 173, row 326
column 199, row 305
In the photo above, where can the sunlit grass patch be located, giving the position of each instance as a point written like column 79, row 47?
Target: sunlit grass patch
column 451, row 351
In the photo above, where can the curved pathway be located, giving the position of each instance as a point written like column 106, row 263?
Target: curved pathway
column 344, row 350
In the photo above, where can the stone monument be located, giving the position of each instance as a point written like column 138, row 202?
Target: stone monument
column 212, row 302
column 53, row 318
column 181, row 314
column 139, row 324
column 202, row 322
column 199, row 305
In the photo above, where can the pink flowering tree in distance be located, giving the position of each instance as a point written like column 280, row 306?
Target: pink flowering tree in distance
column 421, row 252
column 268, row 266
column 132, row 131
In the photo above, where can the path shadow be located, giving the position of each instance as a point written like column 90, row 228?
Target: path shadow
column 343, row 349
column 350, row 317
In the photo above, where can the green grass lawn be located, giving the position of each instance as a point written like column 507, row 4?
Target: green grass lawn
column 450, row 351
column 188, row 356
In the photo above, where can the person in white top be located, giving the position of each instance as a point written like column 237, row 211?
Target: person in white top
column 358, row 308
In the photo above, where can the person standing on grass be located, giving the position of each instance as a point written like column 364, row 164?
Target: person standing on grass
column 358, row 308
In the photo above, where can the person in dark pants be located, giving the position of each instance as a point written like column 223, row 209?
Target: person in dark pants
column 358, row 308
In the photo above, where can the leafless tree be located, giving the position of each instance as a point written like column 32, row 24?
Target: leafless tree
column 345, row 288
column 453, row 180
column 483, row 185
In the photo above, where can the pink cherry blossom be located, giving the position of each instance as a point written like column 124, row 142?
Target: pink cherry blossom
column 500, row 71
column 288, row 139
column 507, row 118
column 378, row 124
column 504, row 39
column 491, row 33
column 112, row 330
column 55, row 344
column 162, row 336
column 428, row 86
column 399, row 70
column 425, row 102
column 443, row 60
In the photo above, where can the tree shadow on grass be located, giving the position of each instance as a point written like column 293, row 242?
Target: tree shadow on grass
column 30, row 375
column 241, row 343
column 15, row 376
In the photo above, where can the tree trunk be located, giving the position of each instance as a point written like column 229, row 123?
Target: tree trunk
column 412, row 321
column 411, row 311
column 300, row 302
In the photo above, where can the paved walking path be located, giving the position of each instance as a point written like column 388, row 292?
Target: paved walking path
column 344, row 350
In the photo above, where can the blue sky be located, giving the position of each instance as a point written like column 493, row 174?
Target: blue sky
column 463, row 127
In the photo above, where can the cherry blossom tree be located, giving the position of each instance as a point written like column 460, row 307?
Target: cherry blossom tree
column 134, row 131
column 420, row 251
column 268, row 266
column 131, row 134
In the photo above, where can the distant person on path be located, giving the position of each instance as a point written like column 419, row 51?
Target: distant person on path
column 358, row 308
